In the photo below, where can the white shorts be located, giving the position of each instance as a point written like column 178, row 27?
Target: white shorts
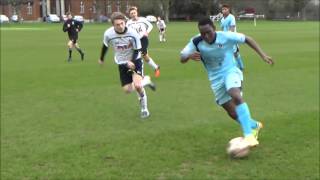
column 220, row 87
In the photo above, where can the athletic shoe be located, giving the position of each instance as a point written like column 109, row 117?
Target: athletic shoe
column 251, row 140
column 149, row 83
column 69, row 59
column 255, row 131
column 144, row 113
column 157, row 72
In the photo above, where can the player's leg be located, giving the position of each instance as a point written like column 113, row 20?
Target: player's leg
column 70, row 46
column 160, row 35
column 76, row 45
column 233, row 86
column 230, row 108
column 147, row 58
column 139, row 82
column 164, row 36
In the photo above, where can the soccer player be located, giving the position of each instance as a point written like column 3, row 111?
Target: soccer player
column 228, row 23
column 73, row 27
column 143, row 27
column 126, row 44
column 162, row 29
column 215, row 50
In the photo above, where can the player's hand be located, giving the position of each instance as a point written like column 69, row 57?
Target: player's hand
column 195, row 56
column 131, row 65
column 68, row 25
column 268, row 59
column 77, row 30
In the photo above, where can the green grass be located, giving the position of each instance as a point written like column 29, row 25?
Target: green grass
column 72, row 121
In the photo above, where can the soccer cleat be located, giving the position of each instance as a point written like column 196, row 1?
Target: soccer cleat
column 149, row 83
column 144, row 113
column 251, row 140
column 157, row 72
column 255, row 131
column 82, row 56
column 69, row 59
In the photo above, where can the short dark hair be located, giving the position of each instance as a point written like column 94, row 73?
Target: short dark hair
column 204, row 21
column 117, row 15
column 133, row 8
column 226, row 6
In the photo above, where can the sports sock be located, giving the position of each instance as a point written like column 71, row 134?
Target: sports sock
column 152, row 63
column 70, row 52
column 143, row 99
column 244, row 118
column 79, row 50
column 254, row 123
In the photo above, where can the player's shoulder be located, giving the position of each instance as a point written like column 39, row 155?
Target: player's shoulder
column 196, row 39
column 110, row 31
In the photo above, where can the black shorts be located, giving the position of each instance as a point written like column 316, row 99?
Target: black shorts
column 144, row 45
column 73, row 38
column 126, row 73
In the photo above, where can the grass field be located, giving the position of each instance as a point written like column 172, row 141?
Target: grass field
column 64, row 120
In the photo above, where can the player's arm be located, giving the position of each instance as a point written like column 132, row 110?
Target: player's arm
column 79, row 26
column 232, row 28
column 255, row 46
column 65, row 27
column 149, row 26
column 104, row 51
column 232, row 24
column 189, row 52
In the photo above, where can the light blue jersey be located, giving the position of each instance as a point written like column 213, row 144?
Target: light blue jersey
column 218, row 59
column 227, row 22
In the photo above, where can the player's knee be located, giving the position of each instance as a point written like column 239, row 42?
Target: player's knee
column 127, row 89
column 237, row 99
column 138, row 86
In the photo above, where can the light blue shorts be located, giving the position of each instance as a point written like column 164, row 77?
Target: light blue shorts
column 220, row 86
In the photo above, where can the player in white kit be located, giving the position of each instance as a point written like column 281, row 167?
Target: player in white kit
column 126, row 45
column 143, row 28
column 162, row 29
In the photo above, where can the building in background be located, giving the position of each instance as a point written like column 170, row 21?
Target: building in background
column 37, row 10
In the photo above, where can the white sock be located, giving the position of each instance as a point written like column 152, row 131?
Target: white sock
column 152, row 64
column 143, row 100
column 160, row 37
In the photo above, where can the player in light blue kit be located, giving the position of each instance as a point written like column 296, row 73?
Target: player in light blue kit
column 228, row 23
column 215, row 50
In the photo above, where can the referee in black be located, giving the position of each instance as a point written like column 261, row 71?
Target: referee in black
column 73, row 27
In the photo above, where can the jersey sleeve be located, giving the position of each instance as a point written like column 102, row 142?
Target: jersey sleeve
column 149, row 25
column 105, row 39
column 237, row 38
column 232, row 21
column 188, row 49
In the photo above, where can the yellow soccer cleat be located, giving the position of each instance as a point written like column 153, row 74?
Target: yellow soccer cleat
column 255, row 131
column 251, row 140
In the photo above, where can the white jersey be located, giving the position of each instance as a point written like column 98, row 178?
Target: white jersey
column 161, row 24
column 142, row 26
column 123, row 44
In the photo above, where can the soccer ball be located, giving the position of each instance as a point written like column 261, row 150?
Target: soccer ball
column 238, row 148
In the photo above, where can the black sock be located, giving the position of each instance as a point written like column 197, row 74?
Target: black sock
column 79, row 50
column 70, row 52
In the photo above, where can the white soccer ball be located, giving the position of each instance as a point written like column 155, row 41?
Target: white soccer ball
column 238, row 148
